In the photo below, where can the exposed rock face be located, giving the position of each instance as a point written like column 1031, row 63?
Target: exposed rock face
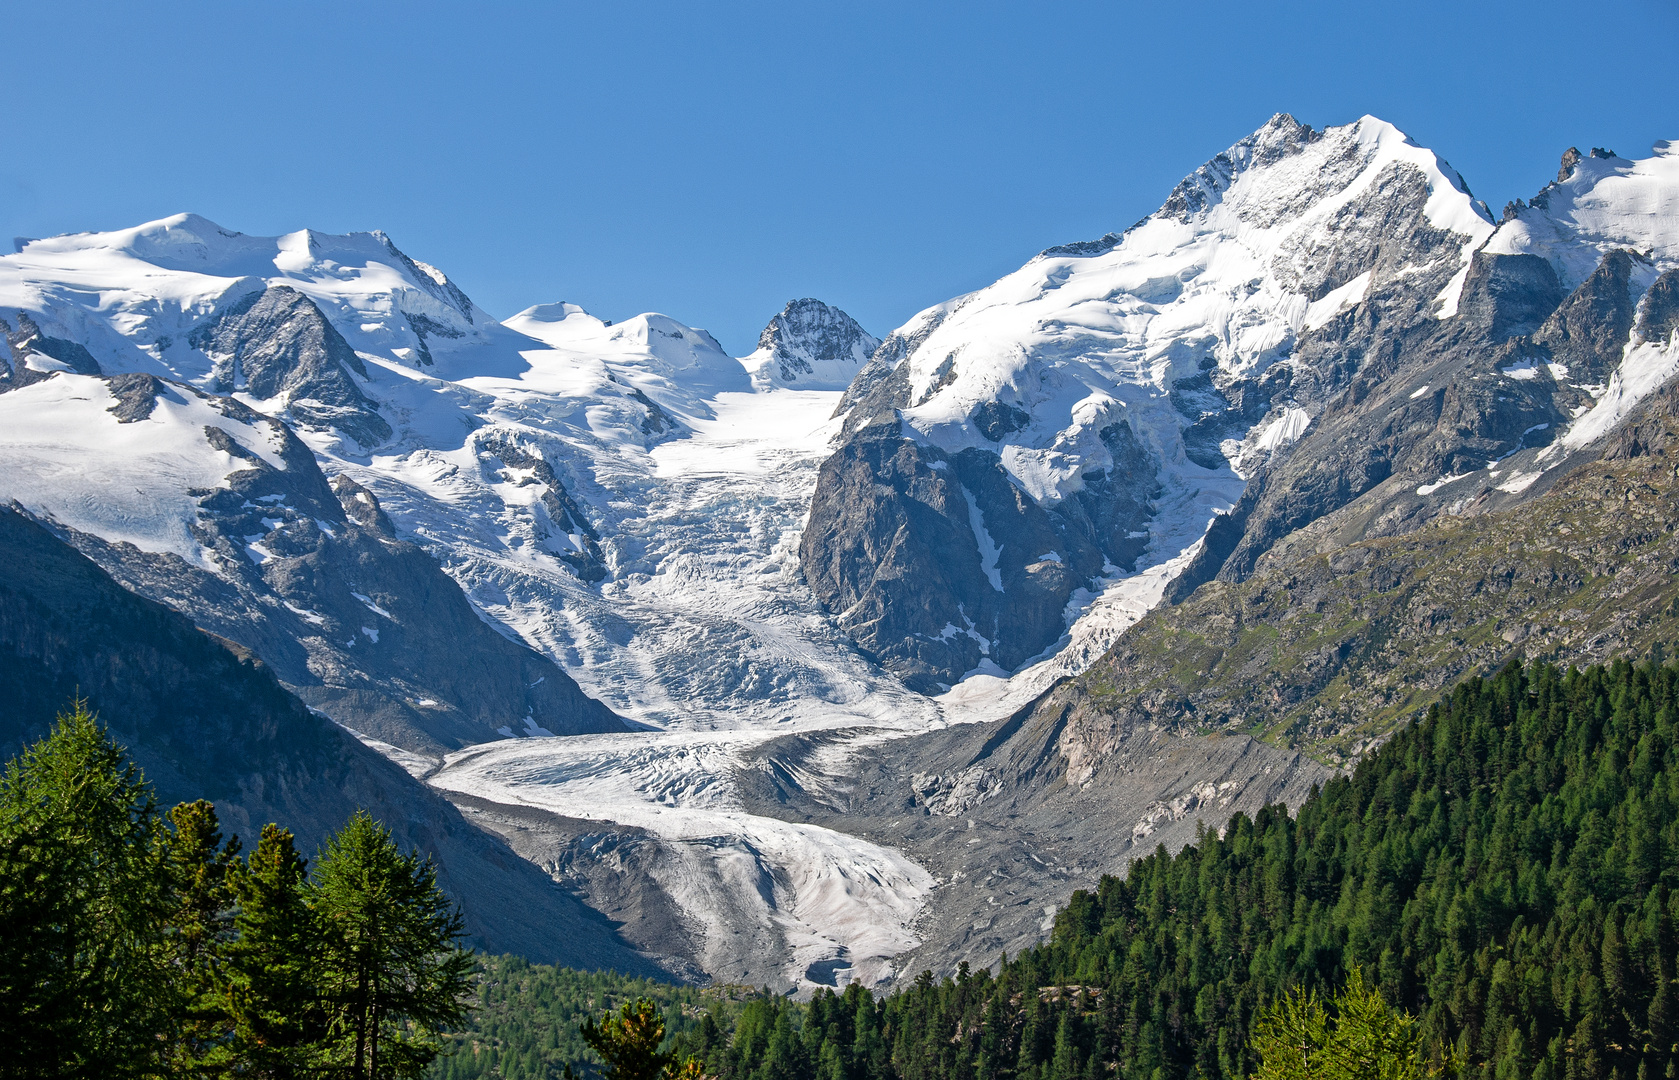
column 1658, row 313
column 810, row 346
column 1329, row 650
column 136, row 396
column 1452, row 397
column 31, row 356
column 1588, row 331
column 1570, row 158
column 205, row 719
column 1506, row 295
column 361, row 625
column 275, row 343
column 902, row 545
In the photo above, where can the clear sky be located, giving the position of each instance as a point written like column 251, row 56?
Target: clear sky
column 713, row 160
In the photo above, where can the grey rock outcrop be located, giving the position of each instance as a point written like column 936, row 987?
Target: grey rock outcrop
column 1382, row 439
column 27, row 342
column 276, row 343
column 1658, row 312
column 935, row 563
column 567, row 532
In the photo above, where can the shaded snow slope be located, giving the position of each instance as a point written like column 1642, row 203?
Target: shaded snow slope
column 70, row 458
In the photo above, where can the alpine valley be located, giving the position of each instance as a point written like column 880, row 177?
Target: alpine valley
column 851, row 657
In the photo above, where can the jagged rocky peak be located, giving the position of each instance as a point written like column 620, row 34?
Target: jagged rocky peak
column 810, row 345
column 1121, row 390
column 275, row 345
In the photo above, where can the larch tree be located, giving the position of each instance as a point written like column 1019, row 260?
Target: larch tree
column 85, row 986
column 393, row 974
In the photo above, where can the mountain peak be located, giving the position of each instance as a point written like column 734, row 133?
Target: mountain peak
column 1272, row 176
column 810, row 345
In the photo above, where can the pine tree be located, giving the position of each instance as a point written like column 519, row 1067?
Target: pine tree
column 393, row 975
column 628, row 1044
column 84, row 986
column 1360, row 1037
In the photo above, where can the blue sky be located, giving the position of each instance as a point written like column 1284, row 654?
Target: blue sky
column 712, row 160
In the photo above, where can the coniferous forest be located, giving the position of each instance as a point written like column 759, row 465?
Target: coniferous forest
column 1502, row 871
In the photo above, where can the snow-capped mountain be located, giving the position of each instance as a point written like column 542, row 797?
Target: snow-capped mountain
column 319, row 448
column 617, row 495
column 1087, row 415
column 810, row 345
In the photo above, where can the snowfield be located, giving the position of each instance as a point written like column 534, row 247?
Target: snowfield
column 66, row 455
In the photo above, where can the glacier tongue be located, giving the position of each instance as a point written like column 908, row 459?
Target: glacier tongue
column 773, row 898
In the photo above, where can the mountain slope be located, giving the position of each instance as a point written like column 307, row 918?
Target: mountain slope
column 1333, row 633
column 222, row 513
column 206, row 720
column 1541, row 361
